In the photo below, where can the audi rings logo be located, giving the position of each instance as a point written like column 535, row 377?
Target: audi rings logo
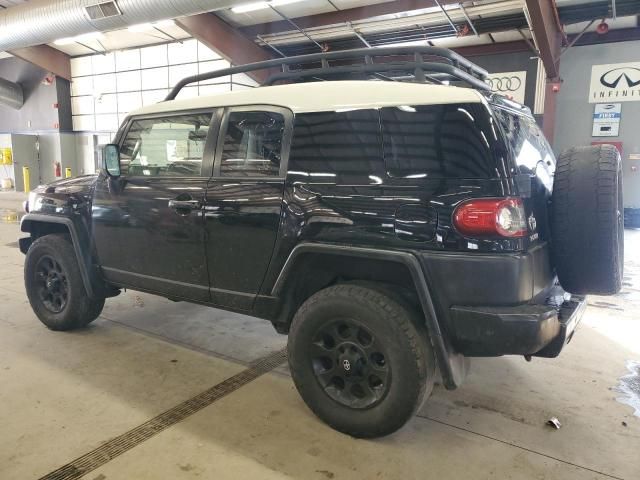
column 629, row 76
column 504, row 84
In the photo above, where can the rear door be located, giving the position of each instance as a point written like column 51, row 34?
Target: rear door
column 244, row 201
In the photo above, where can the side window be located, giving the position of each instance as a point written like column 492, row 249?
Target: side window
column 525, row 139
column 170, row 146
column 326, row 144
column 439, row 141
column 252, row 144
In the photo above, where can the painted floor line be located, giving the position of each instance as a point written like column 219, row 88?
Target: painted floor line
column 125, row 442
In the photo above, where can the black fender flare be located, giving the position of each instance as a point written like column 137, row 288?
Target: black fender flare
column 83, row 255
column 453, row 366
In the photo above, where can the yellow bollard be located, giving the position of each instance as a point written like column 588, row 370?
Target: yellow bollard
column 26, row 178
column 67, row 172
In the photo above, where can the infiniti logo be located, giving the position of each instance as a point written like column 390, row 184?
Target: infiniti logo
column 613, row 77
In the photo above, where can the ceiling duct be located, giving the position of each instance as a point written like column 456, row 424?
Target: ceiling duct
column 44, row 21
column 11, row 94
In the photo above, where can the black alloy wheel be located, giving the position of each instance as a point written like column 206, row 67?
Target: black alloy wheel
column 53, row 286
column 350, row 364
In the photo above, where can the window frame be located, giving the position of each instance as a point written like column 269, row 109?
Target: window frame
column 208, row 153
column 286, row 113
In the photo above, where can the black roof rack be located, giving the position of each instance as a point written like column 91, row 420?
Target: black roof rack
column 417, row 64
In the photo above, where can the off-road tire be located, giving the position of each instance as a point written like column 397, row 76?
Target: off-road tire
column 405, row 341
column 587, row 220
column 79, row 310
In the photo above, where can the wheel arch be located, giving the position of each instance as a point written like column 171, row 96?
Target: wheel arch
column 39, row 225
column 404, row 270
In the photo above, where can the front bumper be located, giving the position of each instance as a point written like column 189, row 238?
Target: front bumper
column 539, row 330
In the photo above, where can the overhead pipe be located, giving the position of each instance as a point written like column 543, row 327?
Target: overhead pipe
column 11, row 94
column 44, row 21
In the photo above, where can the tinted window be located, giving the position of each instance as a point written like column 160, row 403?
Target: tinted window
column 165, row 146
column 439, row 141
column 252, row 144
column 527, row 142
column 332, row 143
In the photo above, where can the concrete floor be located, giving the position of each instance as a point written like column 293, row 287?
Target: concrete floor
column 64, row 394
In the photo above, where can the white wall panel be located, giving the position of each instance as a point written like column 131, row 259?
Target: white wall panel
column 153, row 56
column 82, row 86
column 81, row 66
column 155, row 78
column 107, row 123
column 104, row 84
column 129, row 101
column 128, row 60
column 129, row 81
column 82, row 105
column 84, row 123
column 104, row 63
column 105, row 88
column 107, row 103
column 185, row 52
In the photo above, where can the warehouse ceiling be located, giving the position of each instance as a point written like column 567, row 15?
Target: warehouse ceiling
column 290, row 27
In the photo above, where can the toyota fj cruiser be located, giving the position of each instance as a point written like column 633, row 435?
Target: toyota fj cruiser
column 390, row 220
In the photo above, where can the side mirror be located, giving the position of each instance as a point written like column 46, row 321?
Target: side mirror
column 111, row 159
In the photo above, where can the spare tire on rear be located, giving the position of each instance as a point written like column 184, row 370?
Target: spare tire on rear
column 587, row 220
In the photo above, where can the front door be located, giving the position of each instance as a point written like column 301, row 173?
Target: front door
column 244, row 201
column 148, row 223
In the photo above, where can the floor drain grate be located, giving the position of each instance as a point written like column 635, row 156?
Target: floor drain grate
column 121, row 444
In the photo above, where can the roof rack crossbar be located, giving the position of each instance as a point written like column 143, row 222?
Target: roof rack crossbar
column 444, row 61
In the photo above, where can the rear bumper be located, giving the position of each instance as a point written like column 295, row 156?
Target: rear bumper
column 540, row 330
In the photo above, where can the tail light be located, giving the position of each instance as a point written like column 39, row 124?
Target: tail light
column 480, row 217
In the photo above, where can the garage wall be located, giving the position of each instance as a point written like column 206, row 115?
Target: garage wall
column 574, row 117
column 38, row 112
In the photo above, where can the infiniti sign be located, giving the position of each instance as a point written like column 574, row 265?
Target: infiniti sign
column 613, row 77
column 619, row 82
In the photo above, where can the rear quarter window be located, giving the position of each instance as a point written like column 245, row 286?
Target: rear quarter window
column 440, row 141
column 527, row 143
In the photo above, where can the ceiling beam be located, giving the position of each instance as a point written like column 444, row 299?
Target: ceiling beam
column 613, row 36
column 548, row 38
column 46, row 57
column 517, row 46
column 225, row 40
column 343, row 16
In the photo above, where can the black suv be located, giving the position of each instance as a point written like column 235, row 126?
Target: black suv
column 391, row 228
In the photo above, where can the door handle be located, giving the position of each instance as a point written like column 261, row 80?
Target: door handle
column 184, row 204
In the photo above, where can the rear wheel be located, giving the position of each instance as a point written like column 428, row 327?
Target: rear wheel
column 360, row 360
column 587, row 220
column 54, row 285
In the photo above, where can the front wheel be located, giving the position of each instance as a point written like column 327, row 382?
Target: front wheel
column 360, row 359
column 54, row 285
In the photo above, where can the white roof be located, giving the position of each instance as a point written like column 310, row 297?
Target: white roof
column 327, row 96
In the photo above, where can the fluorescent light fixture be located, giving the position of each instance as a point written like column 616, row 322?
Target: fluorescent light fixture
column 252, row 7
column 164, row 23
column 64, row 41
column 86, row 37
column 141, row 27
